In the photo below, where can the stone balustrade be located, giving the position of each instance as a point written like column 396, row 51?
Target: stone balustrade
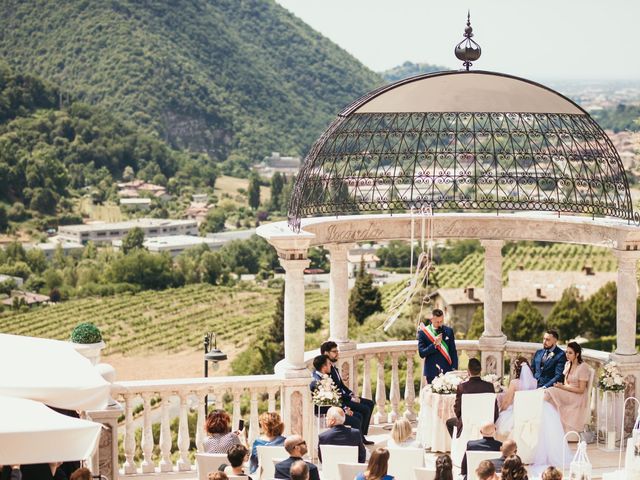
column 370, row 367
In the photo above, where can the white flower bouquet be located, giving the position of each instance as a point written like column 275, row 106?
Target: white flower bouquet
column 446, row 383
column 326, row 393
column 611, row 379
column 494, row 379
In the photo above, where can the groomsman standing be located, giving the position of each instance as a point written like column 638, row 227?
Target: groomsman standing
column 437, row 345
column 363, row 406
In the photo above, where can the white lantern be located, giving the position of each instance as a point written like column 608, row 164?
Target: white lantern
column 580, row 468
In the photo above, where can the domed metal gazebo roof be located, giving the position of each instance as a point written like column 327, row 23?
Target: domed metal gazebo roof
column 471, row 140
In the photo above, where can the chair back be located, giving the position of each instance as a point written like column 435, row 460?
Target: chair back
column 424, row 474
column 590, row 396
column 402, row 461
column 474, row 457
column 349, row 471
column 332, row 455
column 209, row 462
column 527, row 415
column 266, row 454
column 478, row 409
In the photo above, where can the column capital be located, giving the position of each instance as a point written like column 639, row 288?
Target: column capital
column 491, row 244
column 339, row 251
column 627, row 257
column 294, row 265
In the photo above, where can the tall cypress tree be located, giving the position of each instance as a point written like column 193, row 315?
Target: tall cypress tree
column 365, row 298
column 254, row 191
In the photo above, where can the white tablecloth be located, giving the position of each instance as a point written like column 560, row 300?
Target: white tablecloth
column 435, row 409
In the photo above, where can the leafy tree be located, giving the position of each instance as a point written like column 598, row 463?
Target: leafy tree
column 601, row 311
column 276, row 329
column 55, row 295
column 397, row 254
column 254, row 191
column 277, row 183
column 37, row 260
column 140, row 267
column 211, row 266
column 456, row 251
column 477, row 324
column 365, row 299
column 4, row 220
column 318, row 258
column 214, row 221
column 568, row 315
column 134, row 239
column 7, row 286
column 240, row 257
column 524, row 324
column 128, row 174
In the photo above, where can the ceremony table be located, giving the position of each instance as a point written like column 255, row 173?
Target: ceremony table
column 435, row 409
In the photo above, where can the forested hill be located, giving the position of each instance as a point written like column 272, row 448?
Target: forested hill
column 409, row 69
column 239, row 77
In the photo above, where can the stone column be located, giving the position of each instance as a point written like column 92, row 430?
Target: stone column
column 105, row 459
column 339, row 296
column 293, row 363
column 626, row 303
column 492, row 341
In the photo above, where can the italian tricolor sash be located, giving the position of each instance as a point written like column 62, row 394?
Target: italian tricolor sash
column 443, row 348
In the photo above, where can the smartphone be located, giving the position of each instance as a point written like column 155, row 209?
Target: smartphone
column 241, row 425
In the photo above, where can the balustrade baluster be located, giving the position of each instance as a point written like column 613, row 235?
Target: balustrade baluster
column 394, row 393
column 272, row 399
column 183, row 435
column 381, row 393
column 366, row 376
column 165, row 435
column 147, row 435
column 254, row 429
column 200, row 436
column 219, row 400
column 409, row 391
column 237, row 414
column 129, row 436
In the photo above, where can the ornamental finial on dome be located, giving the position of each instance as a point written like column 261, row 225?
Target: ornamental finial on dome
column 467, row 50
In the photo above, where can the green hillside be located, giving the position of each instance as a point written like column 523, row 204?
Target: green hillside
column 409, row 69
column 234, row 78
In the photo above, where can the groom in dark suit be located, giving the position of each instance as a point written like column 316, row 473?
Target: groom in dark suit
column 548, row 362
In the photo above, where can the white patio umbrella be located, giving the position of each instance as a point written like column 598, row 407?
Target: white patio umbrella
column 51, row 372
column 31, row 432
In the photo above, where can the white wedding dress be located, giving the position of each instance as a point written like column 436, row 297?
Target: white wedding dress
column 552, row 448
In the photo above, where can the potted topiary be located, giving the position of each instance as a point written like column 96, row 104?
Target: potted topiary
column 87, row 340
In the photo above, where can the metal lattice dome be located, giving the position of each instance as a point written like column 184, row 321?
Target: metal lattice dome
column 462, row 140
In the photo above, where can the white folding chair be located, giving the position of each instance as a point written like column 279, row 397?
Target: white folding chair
column 209, row 462
column 474, row 457
column 349, row 471
column 478, row 409
column 527, row 415
column 424, row 474
column 402, row 461
column 332, row 455
column 266, row 454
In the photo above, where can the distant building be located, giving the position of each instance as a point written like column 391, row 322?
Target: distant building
column 136, row 203
column 17, row 280
column 542, row 288
column 225, row 237
column 49, row 249
column 28, row 298
column 134, row 188
column 354, row 260
column 288, row 166
column 197, row 211
column 101, row 233
column 200, row 198
column 175, row 245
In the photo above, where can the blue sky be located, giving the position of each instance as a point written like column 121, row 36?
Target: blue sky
column 541, row 39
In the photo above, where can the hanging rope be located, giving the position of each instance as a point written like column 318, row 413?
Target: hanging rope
column 420, row 278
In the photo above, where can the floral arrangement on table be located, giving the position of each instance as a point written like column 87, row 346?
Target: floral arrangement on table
column 494, row 379
column 446, row 383
column 611, row 379
column 326, row 393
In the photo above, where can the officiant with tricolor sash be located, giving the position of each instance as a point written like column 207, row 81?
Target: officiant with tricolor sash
column 437, row 345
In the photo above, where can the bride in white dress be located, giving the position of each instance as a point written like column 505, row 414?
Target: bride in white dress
column 552, row 448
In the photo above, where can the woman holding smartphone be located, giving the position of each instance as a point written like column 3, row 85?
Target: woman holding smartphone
column 220, row 438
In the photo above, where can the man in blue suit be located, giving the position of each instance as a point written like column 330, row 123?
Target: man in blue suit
column 437, row 345
column 548, row 362
column 339, row 434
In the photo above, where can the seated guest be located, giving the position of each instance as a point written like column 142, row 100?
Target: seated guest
column 236, row 455
column 43, row 471
column 377, row 467
column 513, row 469
column 339, row 434
column 486, row 471
column 401, row 435
column 322, row 366
column 296, row 447
column 486, row 444
column 570, row 397
column 363, row 406
column 10, row 472
column 272, row 428
column 217, row 476
column 81, row 474
column 299, row 471
column 508, row 448
column 219, row 436
column 474, row 385
column 552, row 473
column 444, row 468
